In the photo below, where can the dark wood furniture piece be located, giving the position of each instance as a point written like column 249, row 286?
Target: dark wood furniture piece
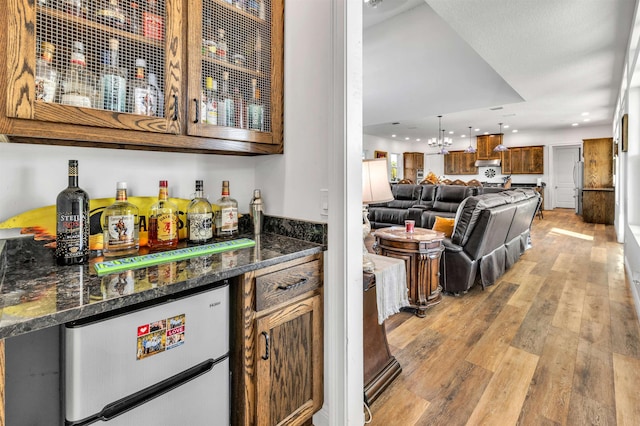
column 380, row 367
column 175, row 54
column 598, row 205
column 460, row 163
column 523, row 160
column 278, row 369
column 421, row 251
column 598, row 194
column 411, row 163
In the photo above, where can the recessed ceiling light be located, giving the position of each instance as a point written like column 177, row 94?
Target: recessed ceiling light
column 393, row 136
column 476, row 130
column 463, row 136
column 574, row 124
column 406, row 139
column 586, row 119
column 417, row 140
column 506, row 126
column 585, row 113
column 451, row 132
column 486, row 133
column 514, row 131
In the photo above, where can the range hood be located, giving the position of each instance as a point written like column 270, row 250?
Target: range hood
column 487, row 163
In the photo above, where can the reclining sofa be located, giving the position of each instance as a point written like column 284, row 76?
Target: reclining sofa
column 491, row 232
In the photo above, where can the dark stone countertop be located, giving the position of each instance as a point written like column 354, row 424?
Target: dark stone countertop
column 35, row 293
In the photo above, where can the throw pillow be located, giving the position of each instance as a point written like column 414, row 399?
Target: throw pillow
column 445, row 225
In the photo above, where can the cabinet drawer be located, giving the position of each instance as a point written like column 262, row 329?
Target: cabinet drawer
column 280, row 286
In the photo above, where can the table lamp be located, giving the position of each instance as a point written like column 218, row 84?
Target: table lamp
column 375, row 189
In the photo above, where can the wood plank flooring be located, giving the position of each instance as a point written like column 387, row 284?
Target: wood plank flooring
column 556, row 341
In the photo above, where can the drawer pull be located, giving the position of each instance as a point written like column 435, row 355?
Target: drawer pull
column 266, row 345
column 294, row 285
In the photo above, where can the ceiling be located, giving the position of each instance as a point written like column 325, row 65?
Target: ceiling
column 534, row 65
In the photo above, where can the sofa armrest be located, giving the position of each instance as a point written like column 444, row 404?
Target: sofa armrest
column 451, row 247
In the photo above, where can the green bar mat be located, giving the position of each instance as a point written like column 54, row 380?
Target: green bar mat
column 136, row 262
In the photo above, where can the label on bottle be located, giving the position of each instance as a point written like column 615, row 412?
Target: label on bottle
column 229, row 219
column 212, row 113
column 229, row 113
column 144, row 102
column 45, row 89
column 75, row 100
column 153, row 26
column 114, row 92
column 203, row 108
column 255, row 117
column 167, row 227
column 200, row 226
column 72, row 236
column 121, row 230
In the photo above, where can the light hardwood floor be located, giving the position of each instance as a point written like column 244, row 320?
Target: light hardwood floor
column 556, row 341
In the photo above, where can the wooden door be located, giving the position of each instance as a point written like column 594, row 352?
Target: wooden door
column 289, row 363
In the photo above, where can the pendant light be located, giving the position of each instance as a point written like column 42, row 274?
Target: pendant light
column 470, row 149
column 501, row 147
column 443, row 150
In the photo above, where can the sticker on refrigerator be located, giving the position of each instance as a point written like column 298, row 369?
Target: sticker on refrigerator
column 159, row 336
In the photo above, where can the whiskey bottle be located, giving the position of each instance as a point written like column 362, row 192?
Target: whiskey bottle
column 227, row 217
column 141, row 97
column 212, row 101
column 163, row 221
column 72, row 217
column 153, row 21
column 256, row 110
column 46, row 79
column 78, row 84
column 199, row 217
column 109, row 12
column 120, row 222
column 113, row 83
column 226, row 110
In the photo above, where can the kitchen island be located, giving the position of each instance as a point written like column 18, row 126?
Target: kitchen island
column 38, row 295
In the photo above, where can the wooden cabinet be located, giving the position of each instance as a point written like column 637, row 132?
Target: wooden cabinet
column 598, row 163
column 411, row 163
column 486, row 144
column 172, row 46
column 277, row 353
column 460, row 163
column 523, row 160
column 598, row 206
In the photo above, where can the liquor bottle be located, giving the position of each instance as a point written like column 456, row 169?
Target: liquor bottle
column 212, row 101
column 141, row 97
column 239, row 109
column 163, row 221
column 256, row 110
column 120, row 225
column 257, row 62
column 135, row 18
column 74, row 8
column 226, row 110
column 253, row 7
column 153, row 21
column 203, row 106
column 46, row 79
column 227, row 217
column 158, row 93
column 221, row 47
column 110, row 13
column 199, row 217
column 262, row 10
column 72, row 216
column 78, row 83
column 113, row 83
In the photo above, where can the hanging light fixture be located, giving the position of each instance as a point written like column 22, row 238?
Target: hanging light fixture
column 440, row 142
column 470, row 149
column 501, row 147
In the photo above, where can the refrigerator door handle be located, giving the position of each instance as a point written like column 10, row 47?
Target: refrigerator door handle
column 134, row 400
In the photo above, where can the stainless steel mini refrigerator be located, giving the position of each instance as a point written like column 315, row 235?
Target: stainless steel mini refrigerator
column 163, row 364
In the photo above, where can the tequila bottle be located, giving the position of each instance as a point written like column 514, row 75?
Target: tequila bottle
column 120, row 222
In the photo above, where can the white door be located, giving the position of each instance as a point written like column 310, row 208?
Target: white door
column 564, row 190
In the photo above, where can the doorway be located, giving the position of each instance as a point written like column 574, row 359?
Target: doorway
column 564, row 160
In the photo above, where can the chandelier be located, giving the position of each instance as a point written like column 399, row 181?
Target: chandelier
column 440, row 142
column 373, row 3
column 470, row 149
column 501, row 147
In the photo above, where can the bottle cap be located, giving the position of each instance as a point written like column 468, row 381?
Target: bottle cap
column 209, row 82
column 153, row 80
column 141, row 63
column 114, row 44
column 46, row 46
column 77, row 45
column 221, row 32
column 256, row 193
column 225, row 75
column 121, row 185
column 199, row 185
column 164, row 184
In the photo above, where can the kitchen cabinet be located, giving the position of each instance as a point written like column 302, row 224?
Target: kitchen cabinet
column 598, row 163
column 523, row 160
column 278, row 370
column 486, row 144
column 412, row 162
column 177, row 41
column 460, row 163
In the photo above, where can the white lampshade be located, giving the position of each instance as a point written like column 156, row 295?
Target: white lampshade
column 375, row 181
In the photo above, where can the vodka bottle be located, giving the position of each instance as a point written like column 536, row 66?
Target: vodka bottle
column 46, row 75
column 120, row 225
column 227, row 217
column 199, row 217
column 78, row 84
column 113, row 83
column 157, row 92
column 163, row 221
column 72, row 217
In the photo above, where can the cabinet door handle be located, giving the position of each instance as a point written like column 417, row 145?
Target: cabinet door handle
column 294, row 285
column 195, row 102
column 175, row 107
column 266, row 345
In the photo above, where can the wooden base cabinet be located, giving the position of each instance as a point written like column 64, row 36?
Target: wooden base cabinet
column 277, row 349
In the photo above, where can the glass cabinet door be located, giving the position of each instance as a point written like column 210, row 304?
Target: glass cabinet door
column 235, row 70
column 105, row 63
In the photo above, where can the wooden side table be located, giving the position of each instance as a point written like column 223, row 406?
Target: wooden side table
column 421, row 251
